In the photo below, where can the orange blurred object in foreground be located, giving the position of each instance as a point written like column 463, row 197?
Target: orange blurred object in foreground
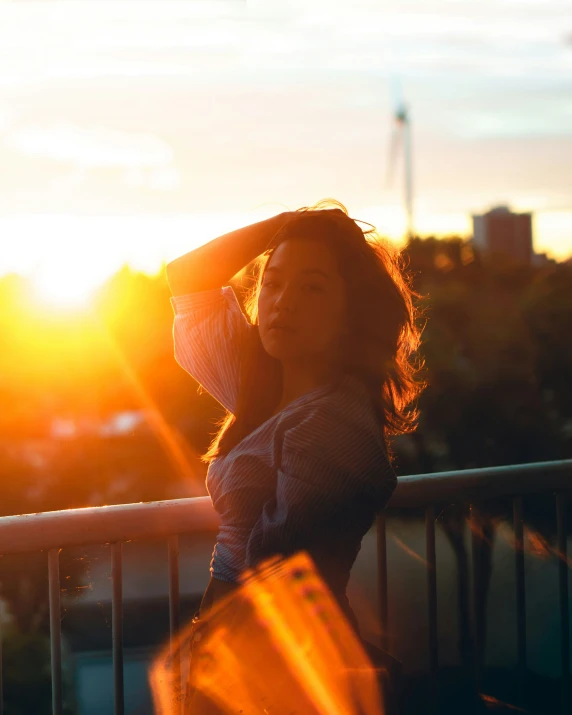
column 279, row 644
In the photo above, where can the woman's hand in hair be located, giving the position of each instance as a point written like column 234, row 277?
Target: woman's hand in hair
column 321, row 212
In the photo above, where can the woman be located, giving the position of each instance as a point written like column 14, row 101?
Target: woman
column 314, row 378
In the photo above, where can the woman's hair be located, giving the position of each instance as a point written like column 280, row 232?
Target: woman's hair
column 382, row 324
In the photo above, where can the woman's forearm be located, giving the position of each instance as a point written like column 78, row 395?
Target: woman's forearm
column 215, row 263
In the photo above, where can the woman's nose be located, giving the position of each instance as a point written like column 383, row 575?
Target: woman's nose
column 286, row 299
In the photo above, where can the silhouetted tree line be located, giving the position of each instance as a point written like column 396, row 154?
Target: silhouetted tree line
column 498, row 347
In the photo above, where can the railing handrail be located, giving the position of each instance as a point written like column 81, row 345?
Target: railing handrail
column 466, row 485
column 160, row 519
column 105, row 524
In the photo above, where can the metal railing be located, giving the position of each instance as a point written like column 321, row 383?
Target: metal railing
column 52, row 531
column 475, row 486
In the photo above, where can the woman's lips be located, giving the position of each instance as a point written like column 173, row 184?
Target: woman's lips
column 277, row 329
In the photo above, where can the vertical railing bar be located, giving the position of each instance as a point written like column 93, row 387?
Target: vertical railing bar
column 432, row 602
column 382, row 577
column 477, row 624
column 561, row 503
column 174, row 612
column 117, row 628
column 55, row 629
column 517, row 522
column 1, row 668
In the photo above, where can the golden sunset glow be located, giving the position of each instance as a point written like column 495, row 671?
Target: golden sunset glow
column 374, row 520
column 58, row 289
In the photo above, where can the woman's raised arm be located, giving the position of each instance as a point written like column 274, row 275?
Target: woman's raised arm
column 214, row 264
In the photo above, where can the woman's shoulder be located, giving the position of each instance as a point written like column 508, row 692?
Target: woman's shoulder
column 337, row 444
column 340, row 426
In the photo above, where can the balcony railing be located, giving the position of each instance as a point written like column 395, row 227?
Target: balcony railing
column 52, row 531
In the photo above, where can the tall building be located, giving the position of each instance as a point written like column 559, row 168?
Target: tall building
column 501, row 231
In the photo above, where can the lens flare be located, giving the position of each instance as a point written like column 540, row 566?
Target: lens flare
column 278, row 644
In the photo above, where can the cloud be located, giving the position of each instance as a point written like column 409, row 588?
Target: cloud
column 90, row 146
column 279, row 100
column 166, row 178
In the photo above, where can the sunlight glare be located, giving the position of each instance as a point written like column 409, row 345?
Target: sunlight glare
column 57, row 286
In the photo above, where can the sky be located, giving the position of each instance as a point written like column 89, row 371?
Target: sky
column 134, row 130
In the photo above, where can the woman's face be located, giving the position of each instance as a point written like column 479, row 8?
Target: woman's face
column 303, row 290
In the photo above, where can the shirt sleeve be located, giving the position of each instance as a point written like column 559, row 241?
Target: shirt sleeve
column 330, row 471
column 208, row 333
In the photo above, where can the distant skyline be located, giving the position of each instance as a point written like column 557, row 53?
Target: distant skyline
column 133, row 131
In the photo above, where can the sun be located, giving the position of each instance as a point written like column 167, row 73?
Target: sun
column 56, row 288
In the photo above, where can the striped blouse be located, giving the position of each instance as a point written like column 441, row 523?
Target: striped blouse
column 311, row 477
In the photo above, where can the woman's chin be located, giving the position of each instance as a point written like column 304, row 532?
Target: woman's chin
column 279, row 348
column 279, row 352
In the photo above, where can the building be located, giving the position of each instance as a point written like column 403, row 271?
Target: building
column 502, row 231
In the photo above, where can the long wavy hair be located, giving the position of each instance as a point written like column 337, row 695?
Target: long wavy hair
column 383, row 324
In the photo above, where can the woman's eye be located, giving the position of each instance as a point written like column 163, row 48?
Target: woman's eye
column 312, row 286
